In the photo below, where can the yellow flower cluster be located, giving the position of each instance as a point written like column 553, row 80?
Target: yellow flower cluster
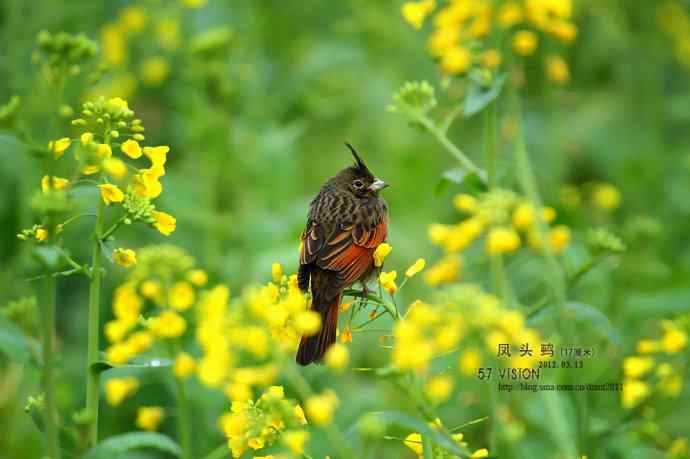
column 463, row 28
column 414, row 442
column 103, row 124
column 263, row 323
column 505, row 218
column 151, row 305
column 464, row 311
column 258, row 424
column 643, row 373
column 119, row 35
column 602, row 195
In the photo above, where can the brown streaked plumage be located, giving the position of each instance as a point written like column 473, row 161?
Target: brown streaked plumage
column 347, row 221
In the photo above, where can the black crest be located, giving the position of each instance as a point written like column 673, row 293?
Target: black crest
column 359, row 164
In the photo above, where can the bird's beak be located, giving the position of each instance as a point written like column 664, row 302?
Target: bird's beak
column 378, row 185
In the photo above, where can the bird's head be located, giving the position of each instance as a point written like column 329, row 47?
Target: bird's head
column 358, row 179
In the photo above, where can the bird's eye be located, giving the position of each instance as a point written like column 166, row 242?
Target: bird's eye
column 358, row 184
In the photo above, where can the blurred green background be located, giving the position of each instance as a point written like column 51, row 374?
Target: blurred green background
column 256, row 100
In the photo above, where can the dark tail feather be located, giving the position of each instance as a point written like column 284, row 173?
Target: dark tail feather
column 312, row 348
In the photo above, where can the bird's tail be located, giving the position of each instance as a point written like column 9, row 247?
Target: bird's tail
column 312, row 348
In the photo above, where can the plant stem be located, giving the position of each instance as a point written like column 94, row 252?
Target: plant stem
column 183, row 418
column 490, row 143
column 303, row 388
column 440, row 135
column 93, row 377
column 48, row 324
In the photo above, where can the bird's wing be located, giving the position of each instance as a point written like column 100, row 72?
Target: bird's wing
column 346, row 248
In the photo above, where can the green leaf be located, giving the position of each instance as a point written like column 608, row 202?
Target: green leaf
column 48, row 255
column 404, row 420
column 470, row 180
column 114, row 447
column 13, row 342
column 479, row 95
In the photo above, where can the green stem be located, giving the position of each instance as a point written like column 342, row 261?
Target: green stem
column 500, row 279
column 183, row 418
column 93, row 377
column 48, row 324
column 113, row 228
column 529, row 185
column 490, row 143
column 441, row 137
column 303, row 388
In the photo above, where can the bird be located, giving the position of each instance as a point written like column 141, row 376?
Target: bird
column 347, row 221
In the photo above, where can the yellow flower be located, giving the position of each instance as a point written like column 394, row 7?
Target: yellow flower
column 115, row 167
column 523, row 216
column 184, row 365
column 563, row 30
column 635, row 367
column 168, row 324
column 337, row 356
column 320, row 408
column 346, row 336
column 125, row 257
column 548, row 214
column 387, row 280
column 502, row 240
column 559, row 238
column 456, row 60
column 133, row 18
column 443, row 272
column 491, row 59
column 466, row 203
column 56, row 183
column 442, row 40
column 439, row 388
column 155, row 70
column 103, row 151
column 131, row 148
column 59, row 146
column 416, row 267
column 509, row 14
column 648, row 346
column 181, row 296
column 157, row 155
column 117, row 389
column 469, row 361
column 633, row 392
column 117, row 103
column 480, row 453
column 146, row 183
column 238, row 392
column 197, row 277
column 674, row 340
column 111, row 193
column 149, row 417
column 414, row 442
column 380, row 254
column 525, row 42
column 90, row 169
column 414, row 13
column 295, row 440
column 557, row 69
column 276, row 272
column 150, row 289
column 164, row 223
column 41, row 234
column 86, row 138
column 308, row 322
column 606, row 196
